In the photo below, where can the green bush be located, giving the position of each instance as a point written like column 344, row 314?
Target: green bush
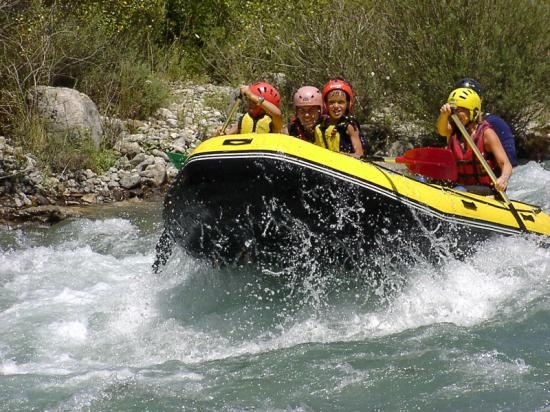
column 102, row 160
column 194, row 23
column 502, row 44
column 398, row 54
column 125, row 88
column 401, row 57
column 136, row 18
column 58, row 153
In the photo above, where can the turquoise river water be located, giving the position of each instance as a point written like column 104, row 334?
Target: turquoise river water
column 86, row 326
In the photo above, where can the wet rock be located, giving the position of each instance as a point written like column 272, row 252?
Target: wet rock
column 42, row 214
column 129, row 180
column 89, row 198
column 118, row 194
column 155, row 174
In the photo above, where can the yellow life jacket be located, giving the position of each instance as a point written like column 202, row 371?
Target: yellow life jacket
column 248, row 124
column 330, row 139
column 335, row 137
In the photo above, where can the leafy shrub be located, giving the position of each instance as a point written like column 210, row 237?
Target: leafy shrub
column 433, row 44
column 63, row 46
column 136, row 18
column 102, row 160
column 59, row 153
column 127, row 89
column 399, row 54
column 401, row 57
column 194, row 23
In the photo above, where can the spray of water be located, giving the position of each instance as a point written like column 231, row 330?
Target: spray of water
column 87, row 319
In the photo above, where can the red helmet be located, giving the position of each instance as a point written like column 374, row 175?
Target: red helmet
column 308, row 96
column 267, row 91
column 338, row 84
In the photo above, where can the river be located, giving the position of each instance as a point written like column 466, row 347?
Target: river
column 86, row 326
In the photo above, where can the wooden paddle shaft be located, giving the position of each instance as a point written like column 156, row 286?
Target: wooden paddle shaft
column 231, row 113
column 379, row 159
column 476, row 151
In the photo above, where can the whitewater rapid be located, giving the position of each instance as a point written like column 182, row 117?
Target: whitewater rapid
column 81, row 311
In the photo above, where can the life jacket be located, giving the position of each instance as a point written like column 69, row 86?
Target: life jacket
column 296, row 129
column 506, row 136
column 335, row 137
column 470, row 170
column 249, row 124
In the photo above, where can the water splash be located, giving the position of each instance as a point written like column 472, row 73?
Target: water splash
column 90, row 326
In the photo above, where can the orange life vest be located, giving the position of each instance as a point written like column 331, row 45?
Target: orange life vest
column 470, row 170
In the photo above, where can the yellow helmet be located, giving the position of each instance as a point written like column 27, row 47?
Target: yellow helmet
column 468, row 99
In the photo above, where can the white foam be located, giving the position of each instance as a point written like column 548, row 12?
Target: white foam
column 9, row 367
column 69, row 331
column 87, row 310
column 530, row 183
column 505, row 275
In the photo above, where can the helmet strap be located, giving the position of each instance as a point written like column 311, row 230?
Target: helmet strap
column 477, row 115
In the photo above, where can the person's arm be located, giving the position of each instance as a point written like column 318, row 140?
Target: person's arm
column 492, row 145
column 277, row 120
column 443, row 126
column 353, row 133
column 273, row 111
column 276, row 116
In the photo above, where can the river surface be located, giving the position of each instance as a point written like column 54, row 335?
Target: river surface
column 86, row 326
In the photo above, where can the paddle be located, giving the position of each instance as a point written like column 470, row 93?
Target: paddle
column 231, row 113
column 488, row 170
column 178, row 159
column 434, row 162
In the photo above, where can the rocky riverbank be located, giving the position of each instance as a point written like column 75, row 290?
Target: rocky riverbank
column 142, row 169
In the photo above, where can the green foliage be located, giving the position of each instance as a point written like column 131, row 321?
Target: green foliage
column 195, row 22
column 60, row 44
column 396, row 53
column 116, row 17
column 140, row 93
column 433, row 44
column 401, row 57
column 102, row 160
column 216, row 101
column 49, row 44
column 176, row 63
column 128, row 89
column 59, row 153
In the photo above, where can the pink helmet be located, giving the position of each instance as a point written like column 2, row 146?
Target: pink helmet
column 308, row 96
